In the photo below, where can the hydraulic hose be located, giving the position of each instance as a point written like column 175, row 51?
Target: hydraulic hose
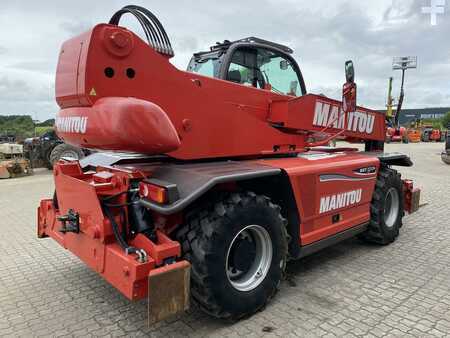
column 152, row 27
column 142, row 255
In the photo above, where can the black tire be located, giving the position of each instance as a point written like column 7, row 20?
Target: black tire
column 46, row 159
column 445, row 156
column 206, row 239
column 378, row 231
column 447, row 143
column 65, row 149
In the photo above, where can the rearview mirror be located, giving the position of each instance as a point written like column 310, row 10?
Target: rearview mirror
column 349, row 89
column 284, row 64
column 349, row 72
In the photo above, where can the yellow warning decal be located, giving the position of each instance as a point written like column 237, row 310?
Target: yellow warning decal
column 93, row 92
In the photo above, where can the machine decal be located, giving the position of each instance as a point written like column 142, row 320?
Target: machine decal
column 339, row 177
column 72, row 124
column 366, row 170
column 338, row 201
column 329, row 115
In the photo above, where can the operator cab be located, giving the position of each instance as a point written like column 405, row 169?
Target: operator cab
column 252, row 62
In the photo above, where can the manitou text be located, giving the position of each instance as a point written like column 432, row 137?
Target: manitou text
column 338, row 201
column 72, row 124
column 332, row 116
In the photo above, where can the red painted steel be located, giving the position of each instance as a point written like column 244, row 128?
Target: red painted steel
column 95, row 244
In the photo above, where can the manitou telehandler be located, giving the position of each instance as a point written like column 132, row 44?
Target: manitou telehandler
column 225, row 178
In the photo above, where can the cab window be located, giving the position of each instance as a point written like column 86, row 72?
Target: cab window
column 265, row 69
column 279, row 73
column 207, row 66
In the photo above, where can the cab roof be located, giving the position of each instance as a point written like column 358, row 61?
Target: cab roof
column 222, row 47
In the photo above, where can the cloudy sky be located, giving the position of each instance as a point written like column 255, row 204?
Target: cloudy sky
column 323, row 34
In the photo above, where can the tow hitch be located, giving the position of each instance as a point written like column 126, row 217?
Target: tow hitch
column 70, row 222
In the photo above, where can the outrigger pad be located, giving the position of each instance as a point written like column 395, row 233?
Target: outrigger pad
column 168, row 291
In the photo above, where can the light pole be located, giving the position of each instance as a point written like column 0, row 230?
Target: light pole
column 402, row 63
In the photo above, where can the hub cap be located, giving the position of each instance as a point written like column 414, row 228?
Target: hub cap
column 391, row 207
column 249, row 258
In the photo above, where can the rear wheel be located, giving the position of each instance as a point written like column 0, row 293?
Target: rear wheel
column 238, row 249
column 386, row 209
column 65, row 150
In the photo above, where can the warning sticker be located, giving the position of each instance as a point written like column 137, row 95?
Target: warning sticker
column 93, row 92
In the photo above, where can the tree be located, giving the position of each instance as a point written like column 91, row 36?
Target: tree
column 20, row 126
column 446, row 121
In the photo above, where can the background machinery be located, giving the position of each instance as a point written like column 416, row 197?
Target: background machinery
column 429, row 133
column 47, row 149
column 12, row 162
column 415, row 131
column 395, row 132
column 224, row 179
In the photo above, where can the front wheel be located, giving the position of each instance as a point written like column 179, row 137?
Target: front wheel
column 238, row 249
column 386, row 209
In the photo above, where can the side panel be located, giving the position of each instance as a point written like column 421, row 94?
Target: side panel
column 333, row 191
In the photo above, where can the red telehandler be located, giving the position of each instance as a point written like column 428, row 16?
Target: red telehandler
column 215, row 176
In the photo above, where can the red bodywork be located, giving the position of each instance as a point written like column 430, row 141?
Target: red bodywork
column 162, row 110
column 213, row 118
column 95, row 243
column 435, row 135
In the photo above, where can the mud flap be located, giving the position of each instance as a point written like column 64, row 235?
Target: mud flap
column 415, row 200
column 168, row 291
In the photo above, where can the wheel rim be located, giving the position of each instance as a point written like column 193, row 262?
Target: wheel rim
column 391, row 207
column 253, row 246
column 70, row 153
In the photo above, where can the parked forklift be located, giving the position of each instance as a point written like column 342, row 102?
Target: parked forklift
column 220, row 175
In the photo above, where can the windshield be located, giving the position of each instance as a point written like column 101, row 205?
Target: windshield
column 265, row 69
column 279, row 73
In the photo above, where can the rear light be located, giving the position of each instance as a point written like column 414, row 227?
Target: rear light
column 153, row 192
